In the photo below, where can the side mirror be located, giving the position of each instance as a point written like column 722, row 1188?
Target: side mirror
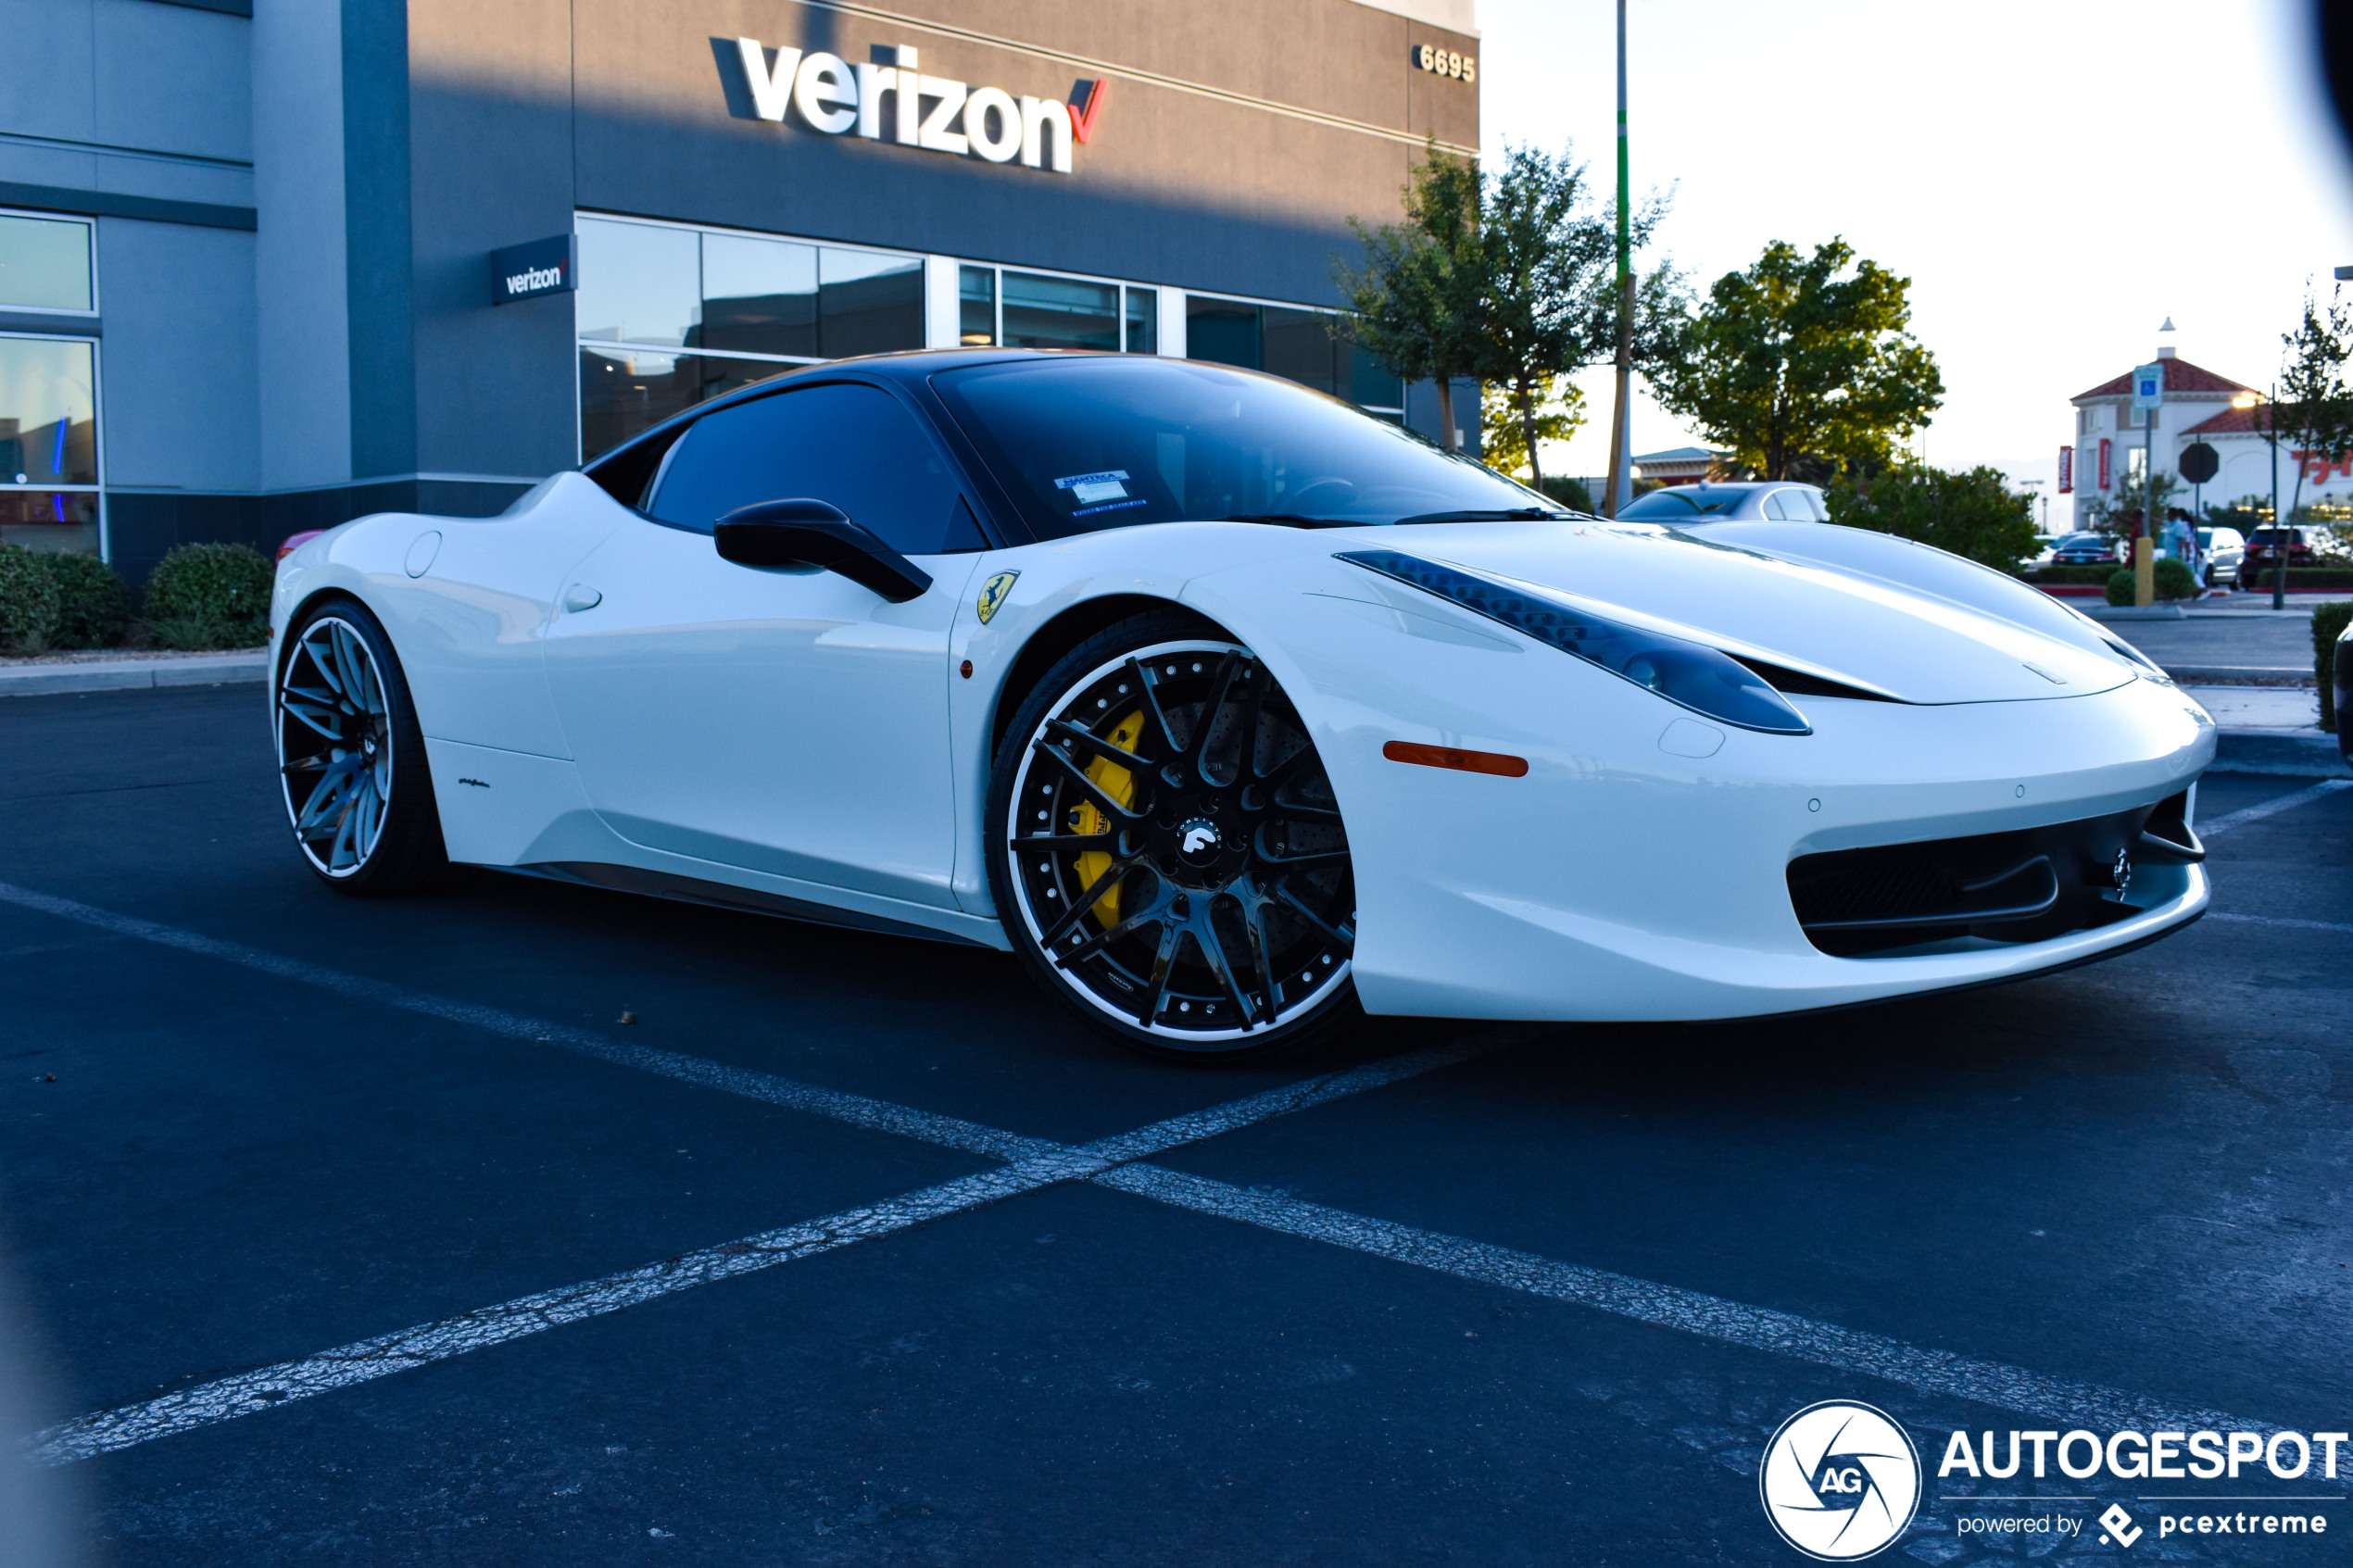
column 807, row 532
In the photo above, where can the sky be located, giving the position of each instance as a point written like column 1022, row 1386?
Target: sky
column 2056, row 178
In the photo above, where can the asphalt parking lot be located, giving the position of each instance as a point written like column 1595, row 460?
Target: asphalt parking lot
column 366, row 1232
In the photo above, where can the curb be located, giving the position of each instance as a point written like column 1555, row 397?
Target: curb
column 2303, row 754
column 2242, row 675
column 135, row 675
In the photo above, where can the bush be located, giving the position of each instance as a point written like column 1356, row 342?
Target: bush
column 1970, row 511
column 1567, row 492
column 29, row 607
column 2174, row 580
column 2328, row 625
column 210, row 597
column 93, row 604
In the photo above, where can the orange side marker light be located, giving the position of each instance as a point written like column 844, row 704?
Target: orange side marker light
column 1493, row 762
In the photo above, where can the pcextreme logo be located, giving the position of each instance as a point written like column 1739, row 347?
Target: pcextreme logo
column 1840, row 1481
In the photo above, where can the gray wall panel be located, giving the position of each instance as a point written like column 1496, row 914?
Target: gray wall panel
column 491, row 126
column 172, row 78
column 48, row 43
column 177, row 369
column 379, row 266
column 299, row 256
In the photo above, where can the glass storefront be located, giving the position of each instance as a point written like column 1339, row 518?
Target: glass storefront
column 49, row 498
column 1294, row 344
column 671, row 315
column 728, row 309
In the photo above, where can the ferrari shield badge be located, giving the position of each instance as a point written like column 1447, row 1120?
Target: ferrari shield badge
column 993, row 594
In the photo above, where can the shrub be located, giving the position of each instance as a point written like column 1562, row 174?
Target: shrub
column 2328, row 625
column 1567, row 492
column 28, row 609
column 2119, row 586
column 93, row 604
column 2175, row 579
column 1970, row 511
column 210, row 597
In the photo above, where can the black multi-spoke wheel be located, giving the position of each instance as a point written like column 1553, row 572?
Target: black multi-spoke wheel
column 350, row 757
column 1165, row 849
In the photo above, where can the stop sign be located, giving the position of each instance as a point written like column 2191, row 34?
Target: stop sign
column 2199, row 462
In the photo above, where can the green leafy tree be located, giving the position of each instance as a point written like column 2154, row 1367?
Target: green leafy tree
column 1414, row 303
column 1559, row 414
column 1798, row 357
column 2314, row 410
column 1968, row 511
column 2119, row 515
column 1508, row 277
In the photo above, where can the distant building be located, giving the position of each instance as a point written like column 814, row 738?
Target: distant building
column 1680, row 465
column 2112, row 443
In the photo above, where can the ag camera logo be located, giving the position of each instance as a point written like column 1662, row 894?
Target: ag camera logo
column 1840, row 1481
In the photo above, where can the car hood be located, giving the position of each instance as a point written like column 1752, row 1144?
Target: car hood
column 1868, row 611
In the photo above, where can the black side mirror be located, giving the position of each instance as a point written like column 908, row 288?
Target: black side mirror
column 807, row 532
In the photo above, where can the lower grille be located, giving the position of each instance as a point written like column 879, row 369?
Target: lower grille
column 2027, row 886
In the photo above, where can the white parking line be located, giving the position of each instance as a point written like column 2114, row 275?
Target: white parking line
column 1687, row 1311
column 2256, row 814
column 1039, row 1164
column 2281, row 919
column 268, row 1388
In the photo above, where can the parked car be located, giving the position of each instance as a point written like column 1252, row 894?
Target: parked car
column 2262, row 554
column 1740, row 500
column 2084, row 549
column 2221, row 549
column 2344, row 685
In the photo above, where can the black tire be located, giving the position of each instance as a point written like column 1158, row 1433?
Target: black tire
column 1229, row 841
column 351, row 759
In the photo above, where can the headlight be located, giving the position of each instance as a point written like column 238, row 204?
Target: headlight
column 1691, row 674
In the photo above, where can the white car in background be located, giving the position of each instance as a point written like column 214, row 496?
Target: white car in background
column 1232, row 712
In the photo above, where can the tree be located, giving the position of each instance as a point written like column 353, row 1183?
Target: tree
column 1970, row 511
column 1414, row 304
column 1559, row 415
column 1795, row 357
column 2314, row 408
column 1508, row 277
column 2119, row 515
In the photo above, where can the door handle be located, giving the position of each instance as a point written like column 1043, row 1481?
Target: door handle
column 580, row 596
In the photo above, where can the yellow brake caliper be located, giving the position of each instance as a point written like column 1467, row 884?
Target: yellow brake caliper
column 1120, row 785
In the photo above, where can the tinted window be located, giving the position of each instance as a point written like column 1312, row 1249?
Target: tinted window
column 1686, row 503
column 854, row 446
column 1111, row 442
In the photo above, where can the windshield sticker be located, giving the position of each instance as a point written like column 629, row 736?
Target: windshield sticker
column 1092, row 489
column 1112, row 507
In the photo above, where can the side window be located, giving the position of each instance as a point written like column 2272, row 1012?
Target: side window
column 1776, row 510
column 852, row 446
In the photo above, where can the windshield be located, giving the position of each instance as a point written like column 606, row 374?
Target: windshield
column 2084, row 542
column 1087, row 443
column 1684, row 501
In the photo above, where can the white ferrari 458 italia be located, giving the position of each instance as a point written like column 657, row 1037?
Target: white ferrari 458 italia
column 1232, row 712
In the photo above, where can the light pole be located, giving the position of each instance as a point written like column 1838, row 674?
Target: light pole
column 1621, row 437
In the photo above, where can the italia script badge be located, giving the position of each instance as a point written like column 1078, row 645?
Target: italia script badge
column 993, row 594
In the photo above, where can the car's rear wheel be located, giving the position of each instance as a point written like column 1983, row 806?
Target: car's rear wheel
column 351, row 760
column 1166, row 852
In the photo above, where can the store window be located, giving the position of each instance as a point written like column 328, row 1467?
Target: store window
column 1296, row 344
column 1000, row 305
column 671, row 315
column 49, row 443
column 49, row 498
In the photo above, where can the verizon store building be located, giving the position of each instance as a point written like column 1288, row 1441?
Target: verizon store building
column 266, row 264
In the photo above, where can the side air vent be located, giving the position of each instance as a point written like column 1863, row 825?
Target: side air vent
column 1796, row 683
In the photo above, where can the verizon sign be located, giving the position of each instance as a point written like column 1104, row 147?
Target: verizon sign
column 898, row 103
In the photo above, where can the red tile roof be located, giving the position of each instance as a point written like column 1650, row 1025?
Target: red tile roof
column 2180, row 376
column 2233, row 421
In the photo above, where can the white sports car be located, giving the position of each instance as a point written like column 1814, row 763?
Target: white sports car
column 1232, row 711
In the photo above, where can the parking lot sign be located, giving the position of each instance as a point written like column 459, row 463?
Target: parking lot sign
column 2148, row 385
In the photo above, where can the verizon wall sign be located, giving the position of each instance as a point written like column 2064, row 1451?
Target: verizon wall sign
column 896, row 103
column 549, row 266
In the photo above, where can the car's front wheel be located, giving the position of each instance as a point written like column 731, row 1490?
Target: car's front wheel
column 1165, row 849
column 351, row 760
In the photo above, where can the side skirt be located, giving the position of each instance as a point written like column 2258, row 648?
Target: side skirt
column 719, row 895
